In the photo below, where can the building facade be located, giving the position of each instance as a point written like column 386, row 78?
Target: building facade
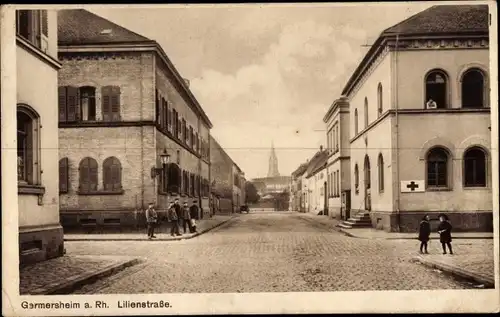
column 221, row 169
column 338, row 165
column 296, row 188
column 316, row 178
column 130, row 130
column 419, row 122
column 40, row 231
column 238, row 188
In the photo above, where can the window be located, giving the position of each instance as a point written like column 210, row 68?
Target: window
column 366, row 112
column 112, row 174
column 68, row 103
column 191, row 137
column 367, row 170
column 356, row 121
column 88, row 174
column 63, row 175
column 173, row 177
column 436, row 89
column 32, row 25
column 197, row 186
column 356, row 179
column 334, row 184
column 184, row 131
column 337, row 138
column 380, row 165
column 175, row 121
column 475, row 168
column 28, row 149
column 169, row 118
column 338, row 183
column 380, row 101
column 87, row 104
column 197, row 140
column 157, row 107
column 437, row 168
column 110, row 103
column 473, row 89
column 192, row 182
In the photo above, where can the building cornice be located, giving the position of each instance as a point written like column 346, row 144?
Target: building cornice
column 146, row 46
column 407, row 42
column 35, row 51
column 342, row 103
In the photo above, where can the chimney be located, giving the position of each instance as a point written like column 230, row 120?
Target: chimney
column 186, row 81
column 321, row 148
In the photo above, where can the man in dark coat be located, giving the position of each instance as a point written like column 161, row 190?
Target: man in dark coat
column 174, row 220
column 444, row 230
column 424, row 233
column 193, row 210
column 178, row 211
column 151, row 219
column 186, row 218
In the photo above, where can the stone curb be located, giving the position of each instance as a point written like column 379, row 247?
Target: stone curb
column 68, row 285
column 406, row 238
column 160, row 239
column 456, row 271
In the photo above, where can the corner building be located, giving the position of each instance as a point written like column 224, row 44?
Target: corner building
column 408, row 156
column 123, row 105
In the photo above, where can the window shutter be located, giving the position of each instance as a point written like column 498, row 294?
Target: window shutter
column 93, row 174
column 72, row 103
column 45, row 22
column 157, row 107
column 107, row 174
column 106, row 103
column 159, row 119
column 84, row 175
column 63, row 175
column 115, row 103
column 62, row 104
column 116, row 174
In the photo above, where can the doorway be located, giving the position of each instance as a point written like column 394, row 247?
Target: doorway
column 367, row 182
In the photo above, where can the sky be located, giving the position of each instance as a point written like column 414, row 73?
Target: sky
column 265, row 74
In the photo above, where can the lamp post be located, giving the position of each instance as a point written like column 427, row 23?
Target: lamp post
column 165, row 159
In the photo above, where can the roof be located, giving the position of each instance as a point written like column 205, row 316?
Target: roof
column 318, row 161
column 79, row 26
column 300, row 170
column 436, row 20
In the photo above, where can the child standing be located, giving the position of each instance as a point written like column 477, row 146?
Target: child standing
column 444, row 230
column 424, row 233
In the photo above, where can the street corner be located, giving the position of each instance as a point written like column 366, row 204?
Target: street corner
column 66, row 274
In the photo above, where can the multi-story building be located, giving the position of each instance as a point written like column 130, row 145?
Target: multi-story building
column 238, row 188
column 419, row 122
column 338, row 166
column 296, row 197
column 317, row 199
column 130, row 130
column 221, row 169
column 40, row 232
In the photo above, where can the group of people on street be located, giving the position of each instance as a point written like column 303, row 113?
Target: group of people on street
column 178, row 216
column 444, row 230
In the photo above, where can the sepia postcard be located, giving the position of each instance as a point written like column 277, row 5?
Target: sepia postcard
column 249, row 158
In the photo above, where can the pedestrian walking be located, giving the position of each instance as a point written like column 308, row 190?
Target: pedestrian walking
column 424, row 233
column 174, row 220
column 193, row 210
column 186, row 218
column 444, row 230
column 151, row 219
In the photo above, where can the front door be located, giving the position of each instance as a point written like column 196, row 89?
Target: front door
column 325, row 195
column 367, row 182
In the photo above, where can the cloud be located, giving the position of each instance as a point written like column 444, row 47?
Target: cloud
column 283, row 96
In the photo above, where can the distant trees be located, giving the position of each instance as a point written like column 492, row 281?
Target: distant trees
column 251, row 194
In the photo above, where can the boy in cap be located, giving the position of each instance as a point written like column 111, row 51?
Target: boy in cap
column 151, row 219
column 172, row 216
column 186, row 217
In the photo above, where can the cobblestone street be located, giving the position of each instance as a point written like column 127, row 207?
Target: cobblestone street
column 266, row 252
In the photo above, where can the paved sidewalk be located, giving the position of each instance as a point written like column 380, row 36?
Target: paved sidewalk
column 202, row 226
column 64, row 274
column 471, row 261
column 371, row 233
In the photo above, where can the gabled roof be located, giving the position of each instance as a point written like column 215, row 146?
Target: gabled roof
column 317, row 162
column 436, row 20
column 300, row 170
column 79, row 26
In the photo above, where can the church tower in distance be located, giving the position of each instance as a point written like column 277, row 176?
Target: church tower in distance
column 273, row 164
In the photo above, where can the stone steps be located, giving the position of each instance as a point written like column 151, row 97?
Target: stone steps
column 360, row 220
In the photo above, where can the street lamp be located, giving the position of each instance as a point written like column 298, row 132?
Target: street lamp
column 165, row 159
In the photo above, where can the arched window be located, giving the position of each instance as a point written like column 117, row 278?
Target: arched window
column 437, row 167
column 28, row 147
column 367, row 170
column 380, row 106
column 87, row 104
column 63, row 175
column 174, row 178
column 356, row 179
column 380, row 165
column 356, row 122
column 436, row 88
column 112, row 174
column 473, row 89
column 88, row 174
column 366, row 112
column 475, row 167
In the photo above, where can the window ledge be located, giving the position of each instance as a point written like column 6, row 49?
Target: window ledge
column 439, row 189
column 27, row 189
column 63, row 191
column 476, row 188
column 100, row 192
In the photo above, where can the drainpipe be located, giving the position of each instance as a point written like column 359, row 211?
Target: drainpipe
column 396, row 101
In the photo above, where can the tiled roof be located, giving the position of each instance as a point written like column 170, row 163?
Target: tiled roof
column 317, row 162
column 444, row 19
column 300, row 170
column 78, row 26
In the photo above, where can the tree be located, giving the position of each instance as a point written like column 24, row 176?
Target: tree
column 251, row 194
